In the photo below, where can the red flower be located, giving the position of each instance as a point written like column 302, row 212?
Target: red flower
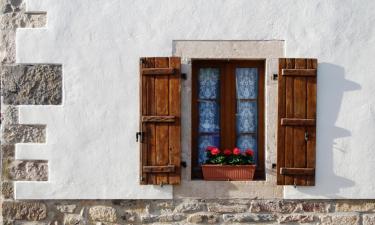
column 227, row 152
column 249, row 152
column 209, row 148
column 236, row 151
column 215, row 151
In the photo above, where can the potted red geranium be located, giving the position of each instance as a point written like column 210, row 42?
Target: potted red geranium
column 228, row 164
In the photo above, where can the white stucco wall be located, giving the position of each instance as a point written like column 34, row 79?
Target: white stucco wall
column 91, row 144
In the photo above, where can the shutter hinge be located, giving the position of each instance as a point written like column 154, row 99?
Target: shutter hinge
column 275, row 76
column 183, row 164
column 183, row 76
column 139, row 136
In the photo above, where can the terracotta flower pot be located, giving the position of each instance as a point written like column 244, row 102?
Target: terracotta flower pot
column 228, row 172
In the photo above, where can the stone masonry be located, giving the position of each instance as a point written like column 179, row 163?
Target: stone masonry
column 190, row 211
column 42, row 85
column 32, row 84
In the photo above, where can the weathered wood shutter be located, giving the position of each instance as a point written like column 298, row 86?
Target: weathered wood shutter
column 160, row 120
column 296, row 122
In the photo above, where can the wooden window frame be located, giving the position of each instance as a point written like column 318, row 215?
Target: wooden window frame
column 228, row 120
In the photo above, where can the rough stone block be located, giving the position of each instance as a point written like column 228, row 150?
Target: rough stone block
column 296, row 218
column 10, row 6
column 165, row 204
column 8, row 222
column 338, row 219
column 163, row 218
column 355, row 206
column 64, row 208
column 6, row 8
column 32, row 223
column 317, row 207
column 172, row 217
column 32, row 84
column 12, row 21
column 270, row 206
column 189, row 206
column 28, row 170
column 7, row 190
column 368, row 219
column 219, row 208
column 203, row 217
column 9, row 115
column 129, row 216
column 24, row 210
column 24, row 134
column 248, row 217
column 7, row 151
column 103, row 214
column 7, row 47
column 241, row 201
column 149, row 218
column 74, row 219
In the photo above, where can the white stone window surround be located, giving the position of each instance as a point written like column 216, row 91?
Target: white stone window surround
column 269, row 50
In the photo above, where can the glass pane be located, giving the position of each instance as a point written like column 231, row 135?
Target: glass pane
column 203, row 142
column 246, row 116
column 208, row 83
column 248, row 142
column 208, row 117
column 246, row 83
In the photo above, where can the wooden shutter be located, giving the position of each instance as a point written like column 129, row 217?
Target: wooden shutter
column 160, row 120
column 296, row 122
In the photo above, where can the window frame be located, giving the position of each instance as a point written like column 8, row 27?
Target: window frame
column 228, row 67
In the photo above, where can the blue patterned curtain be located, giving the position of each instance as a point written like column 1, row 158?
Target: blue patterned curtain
column 208, row 98
column 247, row 108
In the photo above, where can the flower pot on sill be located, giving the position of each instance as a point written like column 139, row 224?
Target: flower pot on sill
column 228, row 172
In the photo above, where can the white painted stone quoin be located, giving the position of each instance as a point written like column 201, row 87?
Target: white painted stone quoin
column 91, row 146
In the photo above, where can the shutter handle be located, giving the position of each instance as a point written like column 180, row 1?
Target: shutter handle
column 306, row 136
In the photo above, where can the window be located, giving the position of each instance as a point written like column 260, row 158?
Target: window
column 227, row 109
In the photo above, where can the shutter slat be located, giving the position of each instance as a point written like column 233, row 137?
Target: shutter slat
column 158, row 71
column 299, row 103
column 299, row 72
column 297, row 171
column 160, row 121
column 159, row 169
column 296, row 122
column 148, row 108
column 289, row 134
column 161, row 99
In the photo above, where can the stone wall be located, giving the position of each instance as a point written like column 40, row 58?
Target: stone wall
column 42, row 84
column 189, row 211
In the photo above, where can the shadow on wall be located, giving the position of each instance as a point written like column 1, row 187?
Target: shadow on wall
column 331, row 87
